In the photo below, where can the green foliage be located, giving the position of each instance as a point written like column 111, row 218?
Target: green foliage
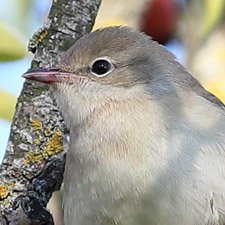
column 8, row 103
column 15, row 21
column 11, row 48
column 214, row 10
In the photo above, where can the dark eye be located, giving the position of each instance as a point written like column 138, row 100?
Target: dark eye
column 101, row 67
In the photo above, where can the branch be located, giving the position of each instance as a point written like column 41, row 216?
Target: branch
column 35, row 158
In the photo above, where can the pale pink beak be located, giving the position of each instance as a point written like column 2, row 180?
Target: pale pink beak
column 49, row 75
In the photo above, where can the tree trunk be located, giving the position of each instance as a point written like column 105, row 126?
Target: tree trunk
column 34, row 163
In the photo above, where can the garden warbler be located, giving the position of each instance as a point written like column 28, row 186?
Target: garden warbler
column 147, row 140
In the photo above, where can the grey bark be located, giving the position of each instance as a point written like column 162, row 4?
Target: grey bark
column 34, row 163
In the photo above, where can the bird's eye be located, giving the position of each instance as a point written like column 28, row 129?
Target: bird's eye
column 101, row 67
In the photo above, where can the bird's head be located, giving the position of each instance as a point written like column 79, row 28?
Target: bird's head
column 114, row 64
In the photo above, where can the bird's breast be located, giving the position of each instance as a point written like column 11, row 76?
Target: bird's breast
column 108, row 165
column 141, row 164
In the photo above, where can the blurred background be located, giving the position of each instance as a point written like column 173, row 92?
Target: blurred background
column 194, row 30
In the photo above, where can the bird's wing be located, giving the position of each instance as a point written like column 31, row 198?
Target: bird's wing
column 209, row 96
column 217, row 217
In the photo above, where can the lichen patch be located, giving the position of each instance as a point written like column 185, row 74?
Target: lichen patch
column 36, row 124
column 34, row 157
column 4, row 191
column 54, row 145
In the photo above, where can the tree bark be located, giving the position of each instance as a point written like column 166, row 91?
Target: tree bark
column 34, row 163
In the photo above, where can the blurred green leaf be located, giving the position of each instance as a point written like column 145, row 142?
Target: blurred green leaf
column 11, row 46
column 8, row 103
column 214, row 11
column 23, row 12
column 17, row 13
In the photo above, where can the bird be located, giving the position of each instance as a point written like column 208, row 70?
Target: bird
column 146, row 139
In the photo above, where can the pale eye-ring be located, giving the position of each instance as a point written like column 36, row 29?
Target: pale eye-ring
column 101, row 67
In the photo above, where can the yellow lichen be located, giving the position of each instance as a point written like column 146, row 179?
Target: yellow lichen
column 35, row 156
column 54, row 145
column 37, row 125
column 26, row 162
column 37, row 141
column 47, row 131
column 4, row 191
column 41, row 138
column 41, row 36
column 13, row 184
column 6, row 202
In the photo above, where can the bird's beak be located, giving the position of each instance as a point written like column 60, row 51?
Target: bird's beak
column 49, row 75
